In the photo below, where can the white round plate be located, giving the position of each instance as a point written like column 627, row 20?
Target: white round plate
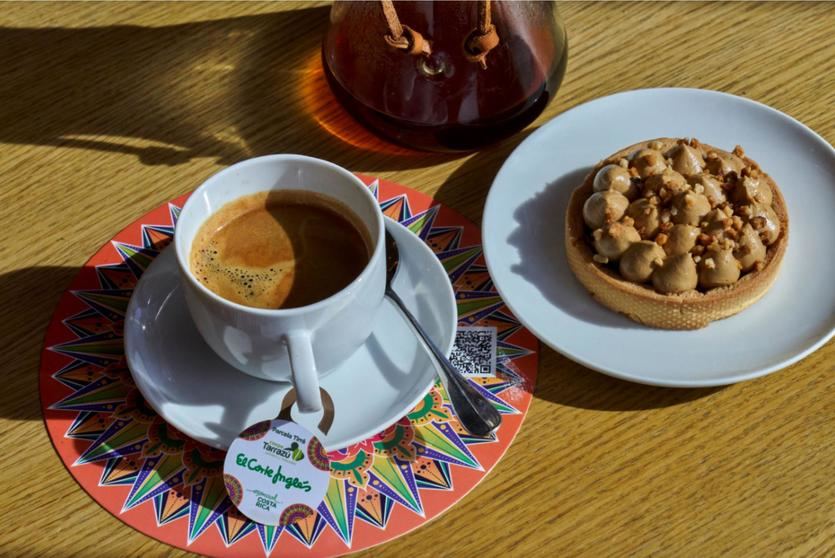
column 205, row 398
column 523, row 239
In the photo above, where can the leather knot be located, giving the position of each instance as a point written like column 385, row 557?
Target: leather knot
column 411, row 41
column 478, row 44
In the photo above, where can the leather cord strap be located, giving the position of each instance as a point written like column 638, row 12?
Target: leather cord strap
column 484, row 38
column 402, row 36
column 477, row 45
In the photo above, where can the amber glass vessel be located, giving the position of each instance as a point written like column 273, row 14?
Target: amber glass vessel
column 480, row 72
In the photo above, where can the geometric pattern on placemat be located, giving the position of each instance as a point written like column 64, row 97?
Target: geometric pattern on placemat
column 170, row 487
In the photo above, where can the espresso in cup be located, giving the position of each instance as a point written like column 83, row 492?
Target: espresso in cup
column 280, row 249
column 232, row 236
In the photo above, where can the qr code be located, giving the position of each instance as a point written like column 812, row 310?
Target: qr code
column 474, row 353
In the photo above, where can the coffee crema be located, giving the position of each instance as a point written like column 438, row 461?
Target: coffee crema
column 280, row 249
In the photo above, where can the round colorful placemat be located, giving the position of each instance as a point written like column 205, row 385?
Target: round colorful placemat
column 158, row 481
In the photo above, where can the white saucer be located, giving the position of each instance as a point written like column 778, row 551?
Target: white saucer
column 205, row 398
column 523, row 239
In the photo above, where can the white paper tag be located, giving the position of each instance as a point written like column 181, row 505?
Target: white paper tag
column 276, row 472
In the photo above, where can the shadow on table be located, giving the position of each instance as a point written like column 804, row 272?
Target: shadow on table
column 28, row 298
column 568, row 383
column 226, row 89
column 465, row 190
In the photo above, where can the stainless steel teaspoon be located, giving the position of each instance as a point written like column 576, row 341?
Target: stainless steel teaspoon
column 474, row 411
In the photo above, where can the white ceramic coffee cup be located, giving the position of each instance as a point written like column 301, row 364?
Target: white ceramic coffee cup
column 294, row 344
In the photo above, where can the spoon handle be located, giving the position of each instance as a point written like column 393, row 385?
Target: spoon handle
column 474, row 411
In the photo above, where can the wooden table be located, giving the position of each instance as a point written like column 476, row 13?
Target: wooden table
column 108, row 110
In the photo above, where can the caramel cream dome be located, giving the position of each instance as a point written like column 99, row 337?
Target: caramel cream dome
column 676, row 233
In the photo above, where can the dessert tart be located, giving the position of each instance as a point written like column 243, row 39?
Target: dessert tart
column 675, row 233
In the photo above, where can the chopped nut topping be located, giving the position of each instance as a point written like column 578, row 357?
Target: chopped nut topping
column 714, row 197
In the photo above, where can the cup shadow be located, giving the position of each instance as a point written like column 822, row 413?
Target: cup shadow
column 28, row 297
column 226, row 89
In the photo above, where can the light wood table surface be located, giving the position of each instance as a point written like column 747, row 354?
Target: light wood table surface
column 107, row 110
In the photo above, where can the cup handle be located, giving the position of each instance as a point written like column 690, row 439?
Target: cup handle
column 303, row 369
